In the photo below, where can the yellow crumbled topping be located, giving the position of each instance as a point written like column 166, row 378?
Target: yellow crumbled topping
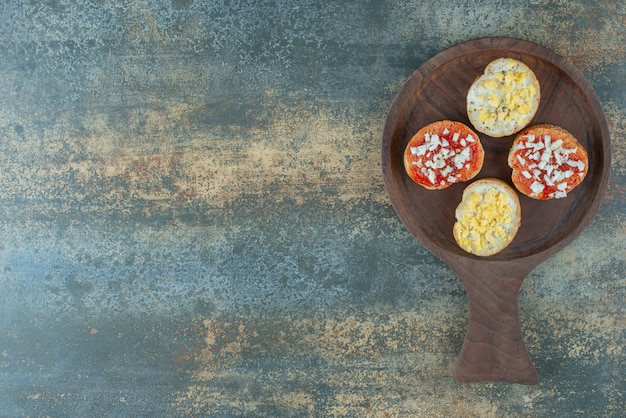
column 509, row 99
column 491, row 84
column 523, row 108
column 484, row 221
column 493, row 100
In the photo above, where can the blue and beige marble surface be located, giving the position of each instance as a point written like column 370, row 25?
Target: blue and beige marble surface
column 193, row 220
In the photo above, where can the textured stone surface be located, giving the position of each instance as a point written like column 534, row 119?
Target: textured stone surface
column 193, row 220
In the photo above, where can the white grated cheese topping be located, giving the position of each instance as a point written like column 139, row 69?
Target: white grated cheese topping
column 575, row 163
column 461, row 158
column 544, row 160
column 440, row 158
column 537, row 187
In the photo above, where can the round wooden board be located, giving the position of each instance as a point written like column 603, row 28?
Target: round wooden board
column 493, row 347
column 437, row 90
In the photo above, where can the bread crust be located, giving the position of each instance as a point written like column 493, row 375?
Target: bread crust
column 523, row 178
column 482, row 186
column 418, row 169
column 499, row 104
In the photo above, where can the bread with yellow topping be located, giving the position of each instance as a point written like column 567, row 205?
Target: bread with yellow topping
column 504, row 99
column 488, row 217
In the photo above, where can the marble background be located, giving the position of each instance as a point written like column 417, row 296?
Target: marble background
column 193, row 220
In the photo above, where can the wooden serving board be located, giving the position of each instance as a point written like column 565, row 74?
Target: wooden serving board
column 493, row 348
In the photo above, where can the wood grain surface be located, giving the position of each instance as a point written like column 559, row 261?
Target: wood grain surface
column 493, row 348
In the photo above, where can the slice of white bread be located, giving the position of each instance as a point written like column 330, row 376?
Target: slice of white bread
column 504, row 99
column 488, row 217
column 443, row 153
column 548, row 162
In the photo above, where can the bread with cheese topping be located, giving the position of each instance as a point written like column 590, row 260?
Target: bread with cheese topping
column 548, row 162
column 487, row 218
column 443, row 153
column 504, row 99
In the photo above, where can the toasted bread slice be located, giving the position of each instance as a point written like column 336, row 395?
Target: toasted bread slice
column 547, row 162
column 488, row 217
column 443, row 153
column 504, row 99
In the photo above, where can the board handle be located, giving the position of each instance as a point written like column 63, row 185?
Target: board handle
column 493, row 349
